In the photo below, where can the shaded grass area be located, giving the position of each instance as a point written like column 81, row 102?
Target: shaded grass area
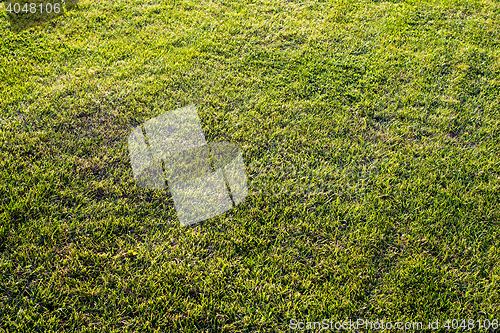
column 370, row 131
column 25, row 14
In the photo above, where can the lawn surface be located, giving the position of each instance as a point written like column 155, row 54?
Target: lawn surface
column 370, row 132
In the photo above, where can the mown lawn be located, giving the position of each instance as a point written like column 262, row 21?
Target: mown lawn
column 370, row 131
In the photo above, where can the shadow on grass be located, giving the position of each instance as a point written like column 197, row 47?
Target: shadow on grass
column 25, row 14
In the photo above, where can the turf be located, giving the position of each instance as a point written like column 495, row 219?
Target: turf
column 370, row 133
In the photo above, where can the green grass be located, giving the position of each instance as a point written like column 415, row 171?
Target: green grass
column 370, row 132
